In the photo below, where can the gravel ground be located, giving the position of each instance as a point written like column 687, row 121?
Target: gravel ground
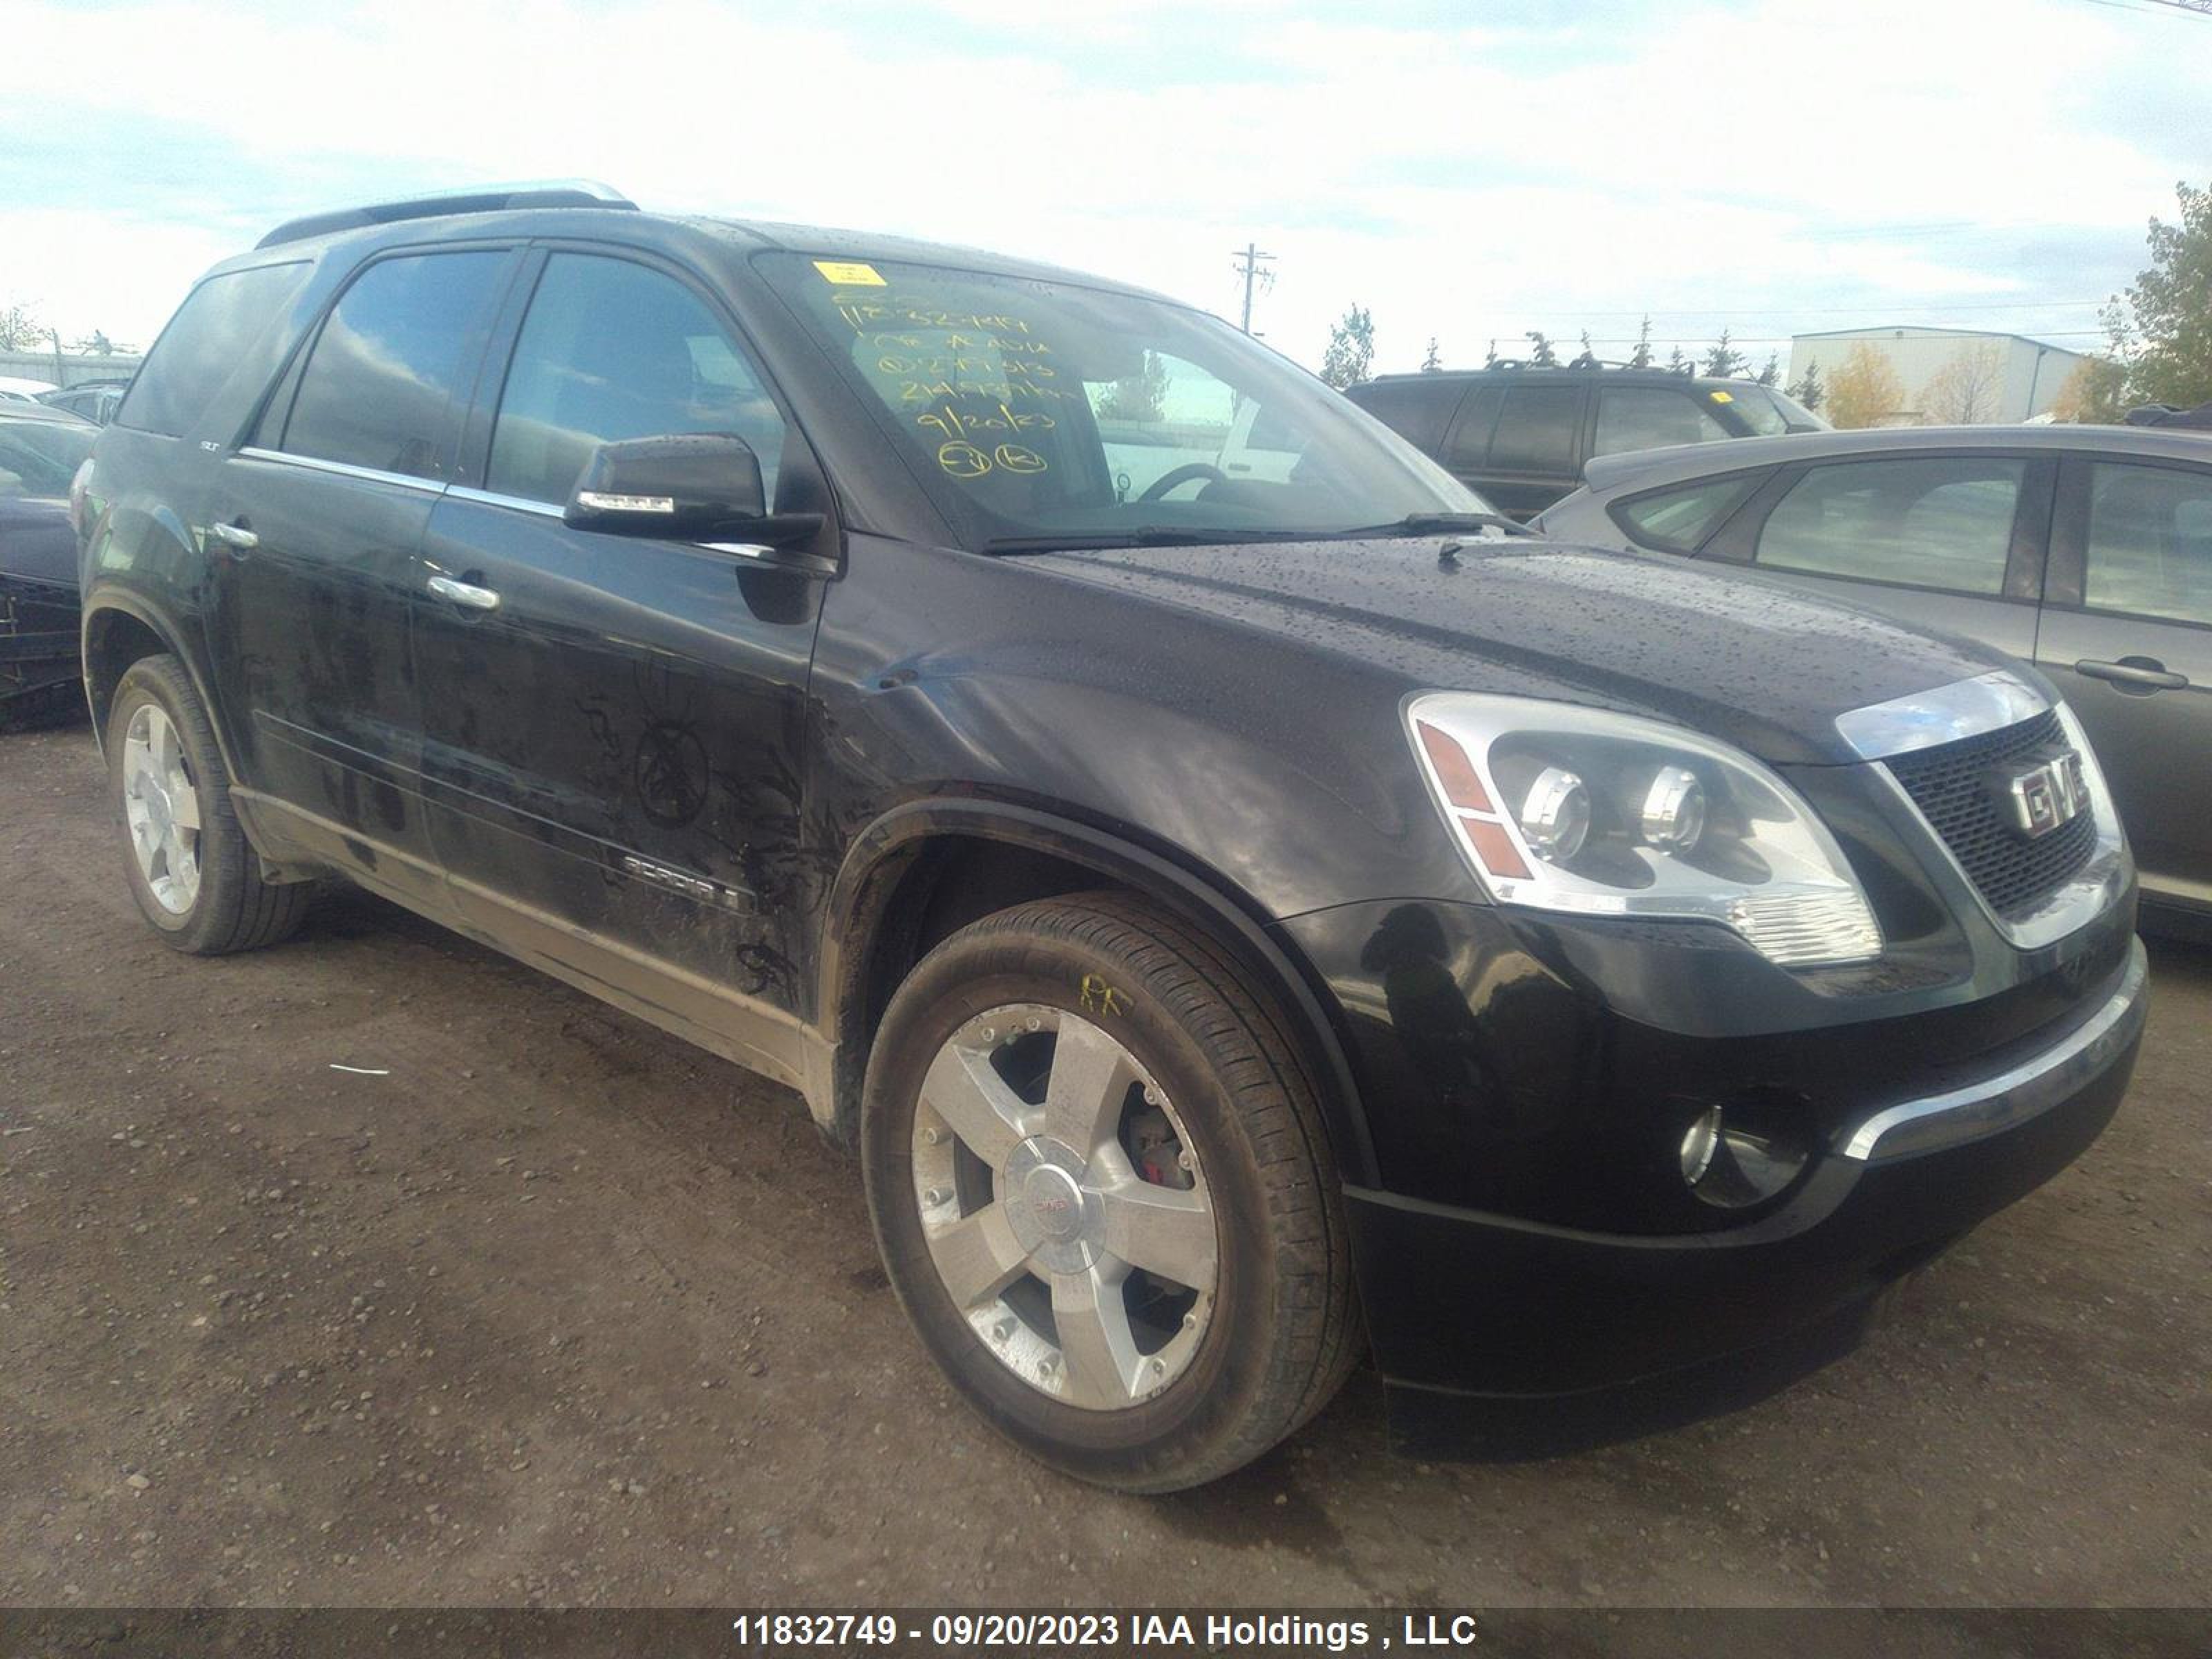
column 556, row 1309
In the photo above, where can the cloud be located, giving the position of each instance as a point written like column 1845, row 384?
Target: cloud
column 1464, row 179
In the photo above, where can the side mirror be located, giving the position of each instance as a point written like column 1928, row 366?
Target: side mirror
column 680, row 486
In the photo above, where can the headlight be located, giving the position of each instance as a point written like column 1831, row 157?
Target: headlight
column 1563, row 808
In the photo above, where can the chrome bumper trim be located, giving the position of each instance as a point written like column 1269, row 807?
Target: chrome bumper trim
column 2013, row 1097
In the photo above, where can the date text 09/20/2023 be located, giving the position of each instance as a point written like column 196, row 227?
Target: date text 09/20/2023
column 1212, row 1631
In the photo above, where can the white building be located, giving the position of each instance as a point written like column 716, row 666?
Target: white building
column 1951, row 376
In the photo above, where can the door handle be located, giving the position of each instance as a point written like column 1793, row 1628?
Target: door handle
column 235, row 535
column 2146, row 673
column 462, row 593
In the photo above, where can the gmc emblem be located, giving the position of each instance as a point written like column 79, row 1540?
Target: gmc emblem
column 2037, row 799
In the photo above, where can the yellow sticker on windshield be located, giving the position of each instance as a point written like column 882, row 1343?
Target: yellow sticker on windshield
column 1720, row 396
column 850, row 273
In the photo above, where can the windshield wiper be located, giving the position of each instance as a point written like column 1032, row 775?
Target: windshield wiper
column 1147, row 536
column 1433, row 524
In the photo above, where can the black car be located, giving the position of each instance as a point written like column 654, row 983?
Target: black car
column 95, row 400
column 1521, row 433
column 2084, row 549
column 40, row 449
column 1245, row 911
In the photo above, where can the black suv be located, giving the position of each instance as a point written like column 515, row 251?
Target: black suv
column 1521, row 433
column 1245, row 910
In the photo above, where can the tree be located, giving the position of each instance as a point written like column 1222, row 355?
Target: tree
column 1641, row 358
column 2096, row 391
column 1433, row 362
column 1540, row 350
column 1809, row 391
column 1676, row 361
column 2162, row 329
column 1771, row 374
column 1864, row 390
column 1351, row 348
column 1141, row 397
column 19, row 329
column 1968, row 389
column 1724, row 362
column 1587, row 357
column 1490, row 356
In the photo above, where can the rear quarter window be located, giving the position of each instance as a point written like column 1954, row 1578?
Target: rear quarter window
column 209, row 340
column 1680, row 521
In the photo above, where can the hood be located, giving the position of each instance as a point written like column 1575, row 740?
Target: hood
column 36, row 540
column 1759, row 664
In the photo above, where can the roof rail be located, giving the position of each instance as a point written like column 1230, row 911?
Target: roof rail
column 475, row 198
column 1514, row 364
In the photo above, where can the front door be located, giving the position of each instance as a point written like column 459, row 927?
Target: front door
column 613, row 723
column 312, row 536
column 2127, row 636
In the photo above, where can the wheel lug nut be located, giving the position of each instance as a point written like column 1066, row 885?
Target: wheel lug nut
column 933, row 1137
column 1186, row 1160
column 934, row 1196
column 1151, row 1096
column 1159, row 1367
column 1035, row 1024
column 1003, row 1331
column 1190, row 1321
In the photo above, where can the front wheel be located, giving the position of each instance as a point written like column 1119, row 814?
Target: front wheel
column 1102, row 1190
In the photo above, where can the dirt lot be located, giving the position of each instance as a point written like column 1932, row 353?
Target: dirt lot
column 561, row 1310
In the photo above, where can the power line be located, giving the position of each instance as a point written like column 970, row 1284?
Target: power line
column 1832, row 311
column 1250, row 264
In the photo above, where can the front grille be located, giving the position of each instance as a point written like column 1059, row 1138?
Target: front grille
column 1950, row 784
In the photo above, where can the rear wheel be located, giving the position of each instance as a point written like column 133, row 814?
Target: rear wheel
column 191, row 869
column 1101, row 1187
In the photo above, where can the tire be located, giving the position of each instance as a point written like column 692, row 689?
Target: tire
column 1039, row 1338
column 225, row 905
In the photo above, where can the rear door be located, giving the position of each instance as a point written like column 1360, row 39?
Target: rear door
column 1949, row 541
column 613, row 736
column 1534, row 455
column 312, row 532
column 2127, row 636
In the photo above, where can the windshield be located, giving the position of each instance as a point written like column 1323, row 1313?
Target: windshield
column 40, row 458
column 1047, row 411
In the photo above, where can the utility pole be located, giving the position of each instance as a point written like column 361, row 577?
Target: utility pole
column 1248, row 263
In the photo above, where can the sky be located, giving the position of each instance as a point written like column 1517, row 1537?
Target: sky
column 1465, row 171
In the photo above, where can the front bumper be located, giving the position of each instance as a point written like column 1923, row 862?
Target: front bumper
column 1471, row 1302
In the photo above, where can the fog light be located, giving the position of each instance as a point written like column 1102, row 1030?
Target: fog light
column 1746, row 1153
column 1699, row 1142
column 1555, row 815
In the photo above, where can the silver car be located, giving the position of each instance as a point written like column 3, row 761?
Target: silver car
column 2086, row 550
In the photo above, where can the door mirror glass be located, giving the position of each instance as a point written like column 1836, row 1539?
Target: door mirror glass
column 682, row 485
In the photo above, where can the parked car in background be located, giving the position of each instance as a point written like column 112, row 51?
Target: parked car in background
column 2086, row 550
column 15, row 389
column 1138, row 800
column 95, row 400
column 1521, row 434
column 40, row 449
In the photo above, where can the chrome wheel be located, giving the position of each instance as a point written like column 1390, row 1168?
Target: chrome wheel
column 161, row 808
column 1064, row 1206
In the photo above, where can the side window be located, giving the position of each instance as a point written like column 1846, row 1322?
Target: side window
column 1469, row 445
column 393, row 364
column 1679, row 521
column 1942, row 523
column 1417, row 410
column 1537, row 430
column 1650, row 417
column 207, row 339
column 610, row 350
column 2149, row 548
